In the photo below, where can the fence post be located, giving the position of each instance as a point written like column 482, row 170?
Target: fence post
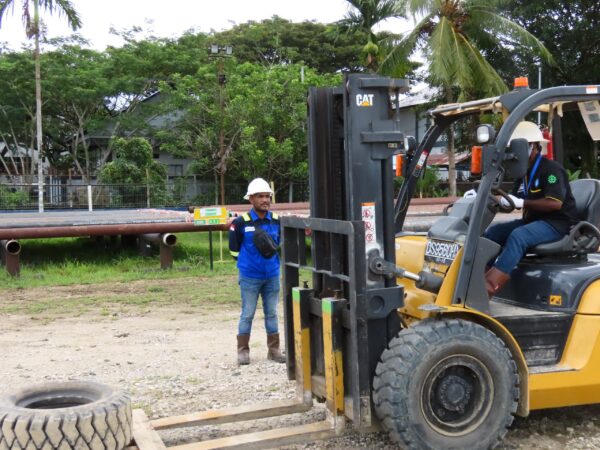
column 89, row 192
column 148, row 188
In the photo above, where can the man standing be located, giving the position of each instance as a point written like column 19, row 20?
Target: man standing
column 253, row 241
column 548, row 206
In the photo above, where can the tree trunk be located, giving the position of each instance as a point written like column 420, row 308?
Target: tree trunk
column 451, row 161
column 38, row 108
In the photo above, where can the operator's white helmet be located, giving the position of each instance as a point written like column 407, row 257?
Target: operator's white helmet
column 257, row 186
column 529, row 131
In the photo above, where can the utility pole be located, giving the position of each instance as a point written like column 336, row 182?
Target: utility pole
column 38, row 109
column 215, row 51
column 539, row 87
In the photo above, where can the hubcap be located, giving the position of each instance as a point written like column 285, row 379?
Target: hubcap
column 457, row 395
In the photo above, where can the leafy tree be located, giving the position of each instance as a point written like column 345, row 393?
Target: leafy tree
column 17, row 113
column 263, row 118
column 136, row 173
column 33, row 30
column 134, row 164
column 279, row 41
column 363, row 16
column 76, row 112
column 271, row 105
column 570, row 32
column 448, row 34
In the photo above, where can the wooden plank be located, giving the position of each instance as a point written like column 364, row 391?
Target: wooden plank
column 145, row 437
column 228, row 415
column 267, row 439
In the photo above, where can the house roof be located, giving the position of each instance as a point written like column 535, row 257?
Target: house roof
column 420, row 97
column 441, row 159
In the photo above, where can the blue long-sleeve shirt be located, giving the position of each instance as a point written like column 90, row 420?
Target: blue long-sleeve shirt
column 250, row 262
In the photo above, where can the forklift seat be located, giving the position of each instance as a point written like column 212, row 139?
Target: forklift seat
column 584, row 236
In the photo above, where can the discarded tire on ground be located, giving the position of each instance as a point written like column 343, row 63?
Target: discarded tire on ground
column 70, row 415
column 446, row 384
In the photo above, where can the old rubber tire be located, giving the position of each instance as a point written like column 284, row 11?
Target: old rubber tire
column 70, row 415
column 446, row 384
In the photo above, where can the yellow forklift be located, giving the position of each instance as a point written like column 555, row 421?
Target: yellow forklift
column 395, row 328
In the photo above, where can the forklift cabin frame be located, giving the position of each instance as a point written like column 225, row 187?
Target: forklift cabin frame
column 514, row 106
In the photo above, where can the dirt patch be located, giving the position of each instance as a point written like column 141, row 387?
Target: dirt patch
column 175, row 360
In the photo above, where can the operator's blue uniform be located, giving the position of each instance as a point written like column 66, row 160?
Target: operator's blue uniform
column 250, row 262
column 258, row 275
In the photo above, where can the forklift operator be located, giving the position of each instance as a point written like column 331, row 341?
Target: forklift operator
column 548, row 206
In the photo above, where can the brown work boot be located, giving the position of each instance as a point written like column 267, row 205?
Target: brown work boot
column 243, row 349
column 274, row 353
column 494, row 280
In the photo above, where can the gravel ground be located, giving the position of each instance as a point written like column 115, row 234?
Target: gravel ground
column 174, row 361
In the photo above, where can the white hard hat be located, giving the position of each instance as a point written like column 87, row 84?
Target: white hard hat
column 257, row 186
column 529, row 131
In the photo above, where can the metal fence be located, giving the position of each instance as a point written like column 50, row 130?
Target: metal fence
column 64, row 193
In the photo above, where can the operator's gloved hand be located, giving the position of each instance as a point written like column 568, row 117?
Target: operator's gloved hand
column 516, row 200
column 471, row 193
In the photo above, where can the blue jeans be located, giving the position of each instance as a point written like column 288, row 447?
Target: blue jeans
column 269, row 291
column 516, row 237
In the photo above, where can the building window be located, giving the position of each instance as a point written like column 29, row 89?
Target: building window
column 175, row 170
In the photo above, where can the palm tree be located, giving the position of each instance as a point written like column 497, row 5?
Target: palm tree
column 448, row 34
column 33, row 30
column 363, row 16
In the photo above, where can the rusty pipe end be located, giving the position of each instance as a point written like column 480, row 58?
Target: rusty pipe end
column 167, row 239
column 11, row 246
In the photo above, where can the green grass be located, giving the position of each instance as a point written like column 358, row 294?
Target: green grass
column 68, row 261
column 187, row 295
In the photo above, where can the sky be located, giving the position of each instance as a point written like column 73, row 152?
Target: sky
column 171, row 18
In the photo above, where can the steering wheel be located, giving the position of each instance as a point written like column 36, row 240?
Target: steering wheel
column 497, row 206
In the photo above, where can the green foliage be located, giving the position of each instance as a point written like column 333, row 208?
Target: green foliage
column 12, row 200
column 570, row 32
column 261, row 112
column 573, row 175
column 134, row 164
column 449, row 34
column 429, row 185
column 278, row 41
column 362, row 17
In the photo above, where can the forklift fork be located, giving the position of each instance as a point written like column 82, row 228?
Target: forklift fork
column 145, row 431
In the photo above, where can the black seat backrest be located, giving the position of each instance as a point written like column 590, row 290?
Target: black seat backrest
column 584, row 236
column 587, row 200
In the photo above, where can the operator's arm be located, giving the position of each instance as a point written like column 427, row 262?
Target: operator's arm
column 543, row 204
column 236, row 235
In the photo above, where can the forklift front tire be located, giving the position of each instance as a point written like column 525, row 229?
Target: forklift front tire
column 446, row 384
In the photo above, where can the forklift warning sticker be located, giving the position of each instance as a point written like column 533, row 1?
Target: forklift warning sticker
column 368, row 217
column 420, row 163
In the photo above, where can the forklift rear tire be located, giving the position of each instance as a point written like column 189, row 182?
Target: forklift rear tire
column 446, row 384
column 69, row 415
